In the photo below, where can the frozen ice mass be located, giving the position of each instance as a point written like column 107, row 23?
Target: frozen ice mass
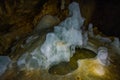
column 59, row 45
column 5, row 62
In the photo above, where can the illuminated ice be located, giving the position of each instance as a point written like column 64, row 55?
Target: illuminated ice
column 22, row 61
column 85, row 39
column 31, row 38
column 72, row 37
column 116, row 42
column 49, row 45
column 90, row 30
column 75, row 20
column 103, row 39
column 102, row 55
column 59, row 45
column 4, row 63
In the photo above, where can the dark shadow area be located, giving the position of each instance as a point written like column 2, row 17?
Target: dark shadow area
column 106, row 17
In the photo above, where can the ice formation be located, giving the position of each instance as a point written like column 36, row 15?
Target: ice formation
column 103, row 39
column 102, row 55
column 90, row 30
column 4, row 63
column 31, row 38
column 85, row 39
column 116, row 42
column 59, row 45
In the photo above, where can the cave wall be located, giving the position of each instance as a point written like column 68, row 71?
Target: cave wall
column 106, row 17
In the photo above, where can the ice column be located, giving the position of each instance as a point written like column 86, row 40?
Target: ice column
column 90, row 29
column 102, row 55
column 60, row 45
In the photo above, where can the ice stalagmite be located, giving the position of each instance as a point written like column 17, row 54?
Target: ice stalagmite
column 102, row 55
column 60, row 44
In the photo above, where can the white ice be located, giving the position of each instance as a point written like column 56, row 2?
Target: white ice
column 90, row 30
column 103, row 39
column 102, row 55
column 116, row 42
column 60, row 44
column 4, row 63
